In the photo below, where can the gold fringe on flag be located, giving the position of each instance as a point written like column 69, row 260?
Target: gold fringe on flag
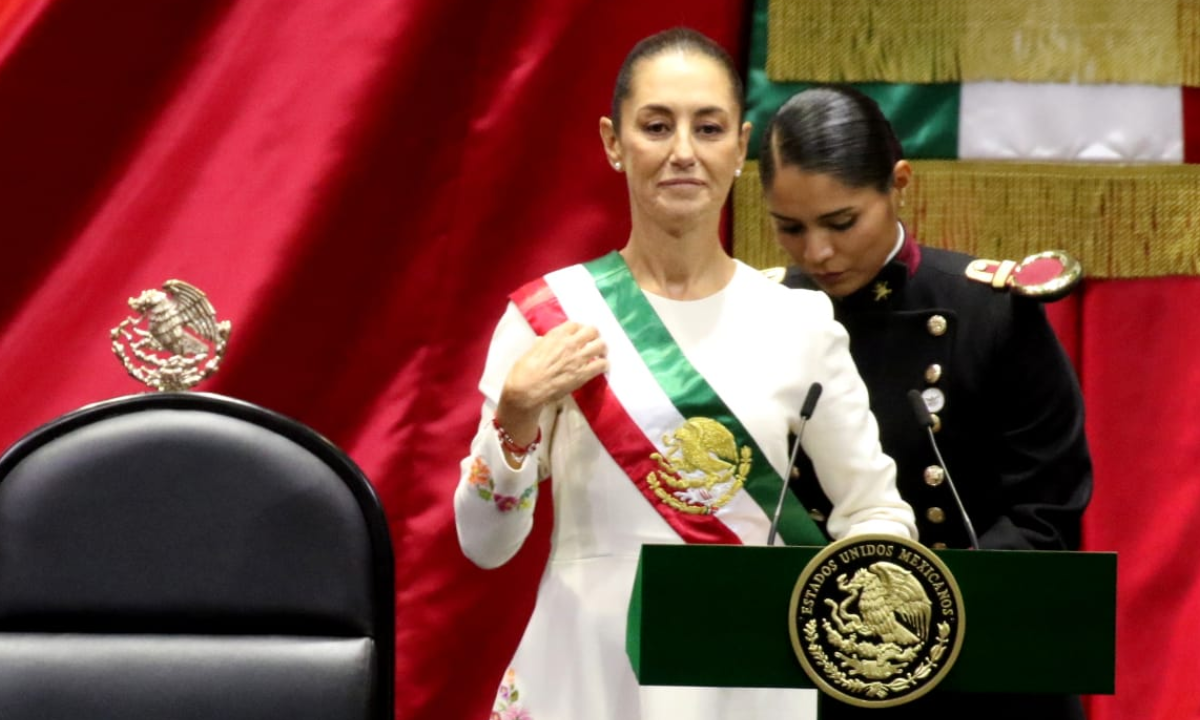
column 1120, row 221
column 1189, row 41
column 753, row 233
column 1150, row 42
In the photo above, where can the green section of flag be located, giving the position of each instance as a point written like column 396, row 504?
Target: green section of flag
column 925, row 117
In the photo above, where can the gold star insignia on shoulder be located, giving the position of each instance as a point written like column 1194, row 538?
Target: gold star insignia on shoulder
column 881, row 290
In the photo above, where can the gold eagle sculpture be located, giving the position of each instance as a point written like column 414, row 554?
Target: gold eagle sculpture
column 175, row 341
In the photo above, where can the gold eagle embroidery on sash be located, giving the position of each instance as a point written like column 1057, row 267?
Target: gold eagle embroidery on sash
column 703, row 468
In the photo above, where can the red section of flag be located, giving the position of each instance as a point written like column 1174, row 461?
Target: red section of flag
column 1141, row 383
column 356, row 186
column 1064, row 317
column 1191, row 125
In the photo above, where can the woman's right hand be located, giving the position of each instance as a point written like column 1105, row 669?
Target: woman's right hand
column 557, row 364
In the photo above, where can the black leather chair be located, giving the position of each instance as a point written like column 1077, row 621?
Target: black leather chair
column 184, row 555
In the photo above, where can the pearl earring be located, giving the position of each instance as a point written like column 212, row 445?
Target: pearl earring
column 617, row 166
column 737, row 173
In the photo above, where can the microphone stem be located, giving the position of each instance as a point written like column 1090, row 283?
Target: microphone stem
column 783, row 490
column 806, row 411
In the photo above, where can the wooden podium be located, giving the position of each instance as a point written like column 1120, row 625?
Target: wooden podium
column 717, row 615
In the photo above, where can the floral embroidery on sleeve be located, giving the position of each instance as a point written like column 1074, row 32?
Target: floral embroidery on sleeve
column 508, row 705
column 481, row 480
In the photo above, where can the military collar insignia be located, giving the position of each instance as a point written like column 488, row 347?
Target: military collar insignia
column 876, row 620
column 881, row 291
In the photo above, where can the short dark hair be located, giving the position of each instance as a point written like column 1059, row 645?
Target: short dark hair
column 833, row 129
column 682, row 39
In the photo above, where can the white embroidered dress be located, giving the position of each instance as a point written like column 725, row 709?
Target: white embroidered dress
column 760, row 346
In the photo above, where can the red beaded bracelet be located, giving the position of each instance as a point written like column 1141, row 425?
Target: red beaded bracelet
column 510, row 446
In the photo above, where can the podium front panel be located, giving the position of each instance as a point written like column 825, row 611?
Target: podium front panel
column 717, row 616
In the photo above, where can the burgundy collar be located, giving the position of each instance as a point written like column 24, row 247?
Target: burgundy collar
column 910, row 253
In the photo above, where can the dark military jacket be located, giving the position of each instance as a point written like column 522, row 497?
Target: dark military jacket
column 1007, row 407
column 1009, row 424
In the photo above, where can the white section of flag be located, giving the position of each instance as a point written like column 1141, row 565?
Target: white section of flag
column 1056, row 122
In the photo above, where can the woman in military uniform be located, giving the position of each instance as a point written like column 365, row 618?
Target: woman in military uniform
column 1006, row 407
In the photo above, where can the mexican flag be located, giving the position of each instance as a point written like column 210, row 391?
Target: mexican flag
column 1032, row 126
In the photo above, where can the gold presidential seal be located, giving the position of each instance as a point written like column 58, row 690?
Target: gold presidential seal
column 175, row 340
column 702, row 469
column 876, row 620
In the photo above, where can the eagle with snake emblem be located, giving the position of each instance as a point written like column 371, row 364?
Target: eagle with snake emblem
column 703, row 467
column 887, row 595
column 876, row 620
column 176, row 341
column 892, row 622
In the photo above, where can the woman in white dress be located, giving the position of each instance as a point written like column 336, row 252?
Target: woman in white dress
column 656, row 388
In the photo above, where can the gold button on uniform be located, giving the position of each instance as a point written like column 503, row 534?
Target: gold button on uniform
column 934, row 475
column 938, row 546
column 795, row 472
column 936, row 325
column 817, row 515
column 935, row 515
column 933, row 373
column 937, row 422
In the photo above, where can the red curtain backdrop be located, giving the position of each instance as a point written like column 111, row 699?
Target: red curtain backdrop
column 1141, row 382
column 357, row 185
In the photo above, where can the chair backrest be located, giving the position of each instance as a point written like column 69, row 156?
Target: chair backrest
column 186, row 555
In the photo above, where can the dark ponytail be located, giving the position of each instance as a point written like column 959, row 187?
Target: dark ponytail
column 834, row 130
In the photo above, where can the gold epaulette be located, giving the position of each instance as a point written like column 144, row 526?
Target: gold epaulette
column 1045, row 276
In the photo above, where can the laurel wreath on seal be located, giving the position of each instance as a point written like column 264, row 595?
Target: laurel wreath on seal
column 176, row 372
column 876, row 689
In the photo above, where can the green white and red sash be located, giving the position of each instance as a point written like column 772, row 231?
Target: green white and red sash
column 650, row 389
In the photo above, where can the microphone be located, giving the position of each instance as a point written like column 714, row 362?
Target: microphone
column 925, row 420
column 806, row 411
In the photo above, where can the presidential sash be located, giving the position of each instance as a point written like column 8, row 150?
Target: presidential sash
column 691, row 461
